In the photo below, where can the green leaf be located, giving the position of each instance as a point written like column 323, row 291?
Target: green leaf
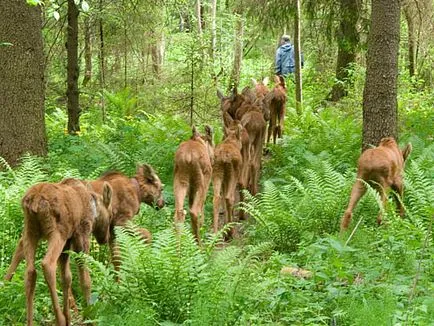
column 5, row 44
column 34, row 3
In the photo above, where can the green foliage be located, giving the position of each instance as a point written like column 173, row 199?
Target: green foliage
column 173, row 281
column 383, row 275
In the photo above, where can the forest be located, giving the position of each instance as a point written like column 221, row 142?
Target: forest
column 89, row 87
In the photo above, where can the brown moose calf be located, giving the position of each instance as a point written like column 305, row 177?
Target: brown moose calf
column 64, row 214
column 227, row 172
column 128, row 193
column 192, row 176
column 277, row 109
column 382, row 168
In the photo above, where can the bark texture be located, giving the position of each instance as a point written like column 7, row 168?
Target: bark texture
column 348, row 42
column 87, row 50
column 72, row 70
column 379, row 95
column 22, row 121
column 410, row 14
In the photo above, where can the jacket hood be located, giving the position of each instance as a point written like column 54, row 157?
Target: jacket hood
column 286, row 47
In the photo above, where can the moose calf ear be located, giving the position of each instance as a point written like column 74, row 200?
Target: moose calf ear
column 254, row 81
column 107, row 193
column 148, row 173
column 209, row 131
column 406, row 151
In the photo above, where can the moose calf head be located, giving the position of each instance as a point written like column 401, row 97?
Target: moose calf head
column 150, row 186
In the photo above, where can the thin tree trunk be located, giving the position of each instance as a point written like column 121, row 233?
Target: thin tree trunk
column 72, row 93
column 409, row 16
column 102, row 63
column 22, row 119
column 157, row 51
column 125, row 54
column 348, row 41
column 199, row 17
column 380, row 92
column 192, row 91
column 87, row 51
column 297, row 53
column 238, row 53
column 213, row 29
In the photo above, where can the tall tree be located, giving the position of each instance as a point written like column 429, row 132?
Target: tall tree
column 213, row 29
column 72, row 70
column 101, row 56
column 348, row 42
column 198, row 10
column 297, row 54
column 380, row 92
column 22, row 123
column 238, row 51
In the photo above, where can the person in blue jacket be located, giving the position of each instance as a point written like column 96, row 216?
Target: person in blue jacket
column 285, row 63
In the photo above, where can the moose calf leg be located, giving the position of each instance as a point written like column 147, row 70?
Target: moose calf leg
column 195, row 210
column 49, row 264
column 398, row 188
column 81, row 244
column 217, row 183
column 16, row 259
column 230, row 200
column 66, row 284
column 30, row 279
column 382, row 191
column 180, row 191
column 357, row 192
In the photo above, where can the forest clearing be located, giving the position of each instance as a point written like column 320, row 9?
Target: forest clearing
column 216, row 162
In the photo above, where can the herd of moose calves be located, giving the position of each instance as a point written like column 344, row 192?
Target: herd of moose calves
column 68, row 212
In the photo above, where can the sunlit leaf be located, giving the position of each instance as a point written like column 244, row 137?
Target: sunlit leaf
column 85, row 6
column 5, row 44
column 56, row 15
column 33, row 3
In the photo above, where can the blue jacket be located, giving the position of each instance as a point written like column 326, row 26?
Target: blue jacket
column 285, row 63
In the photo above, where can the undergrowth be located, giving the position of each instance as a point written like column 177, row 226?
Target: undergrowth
column 380, row 276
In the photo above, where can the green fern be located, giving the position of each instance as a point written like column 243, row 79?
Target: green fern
column 418, row 192
column 118, row 159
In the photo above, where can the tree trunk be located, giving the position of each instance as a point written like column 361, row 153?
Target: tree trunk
column 72, row 70
column 409, row 17
column 199, row 18
column 22, row 122
column 157, row 51
column 379, row 95
column 348, row 41
column 297, row 54
column 87, row 51
column 125, row 54
column 213, row 29
column 102, row 62
column 238, row 53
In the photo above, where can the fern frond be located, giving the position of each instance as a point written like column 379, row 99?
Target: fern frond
column 118, row 159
